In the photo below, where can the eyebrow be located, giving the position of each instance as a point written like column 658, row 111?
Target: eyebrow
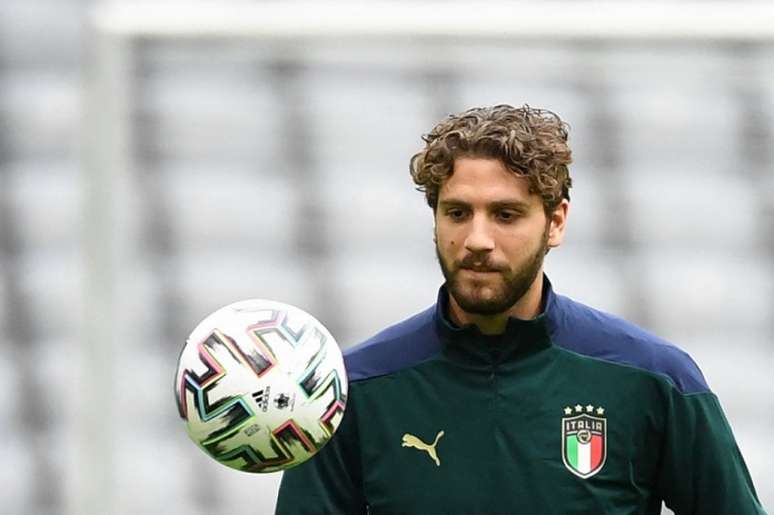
column 497, row 204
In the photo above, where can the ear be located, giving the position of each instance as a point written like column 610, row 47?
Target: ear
column 557, row 223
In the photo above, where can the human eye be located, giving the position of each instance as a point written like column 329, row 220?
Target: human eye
column 507, row 215
column 456, row 214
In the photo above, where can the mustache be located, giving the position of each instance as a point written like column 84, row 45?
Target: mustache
column 479, row 264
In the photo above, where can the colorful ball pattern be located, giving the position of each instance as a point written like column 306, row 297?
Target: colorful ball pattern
column 261, row 385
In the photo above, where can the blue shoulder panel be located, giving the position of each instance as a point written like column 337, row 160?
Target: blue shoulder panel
column 399, row 346
column 596, row 334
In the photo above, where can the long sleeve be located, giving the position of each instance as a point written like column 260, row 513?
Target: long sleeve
column 330, row 483
column 702, row 471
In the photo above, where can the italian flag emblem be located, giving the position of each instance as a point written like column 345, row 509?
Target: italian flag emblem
column 584, row 439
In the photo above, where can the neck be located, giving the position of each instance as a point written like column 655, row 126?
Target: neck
column 526, row 308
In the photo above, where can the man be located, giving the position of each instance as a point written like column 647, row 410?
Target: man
column 505, row 397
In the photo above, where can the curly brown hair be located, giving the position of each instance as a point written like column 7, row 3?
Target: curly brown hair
column 529, row 142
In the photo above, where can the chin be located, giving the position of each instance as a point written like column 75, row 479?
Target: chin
column 483, row 292
column 481, row 303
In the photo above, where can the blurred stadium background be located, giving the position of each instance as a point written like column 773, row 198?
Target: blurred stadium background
column 152, row 171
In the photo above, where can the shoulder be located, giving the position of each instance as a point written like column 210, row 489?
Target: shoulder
column 399, row 346
column 596, row 334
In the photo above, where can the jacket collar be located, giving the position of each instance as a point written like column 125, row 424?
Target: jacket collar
column 469, row 346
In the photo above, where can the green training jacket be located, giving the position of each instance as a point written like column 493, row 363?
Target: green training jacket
column 574, row 412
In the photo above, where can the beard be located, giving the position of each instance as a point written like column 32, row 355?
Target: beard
column 507, row 290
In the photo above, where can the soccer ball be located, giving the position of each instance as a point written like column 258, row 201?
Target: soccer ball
column 261, row 385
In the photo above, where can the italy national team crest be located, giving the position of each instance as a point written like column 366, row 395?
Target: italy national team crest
column 584, row 439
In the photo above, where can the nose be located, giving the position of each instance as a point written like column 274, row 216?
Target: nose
column 480, row 238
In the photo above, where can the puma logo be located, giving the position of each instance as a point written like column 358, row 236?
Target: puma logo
column 416, row 443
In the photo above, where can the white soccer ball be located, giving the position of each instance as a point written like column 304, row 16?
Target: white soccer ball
column 261, row 385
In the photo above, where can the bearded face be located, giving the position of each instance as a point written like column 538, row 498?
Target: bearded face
column 481, row 286
column 491, row 235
